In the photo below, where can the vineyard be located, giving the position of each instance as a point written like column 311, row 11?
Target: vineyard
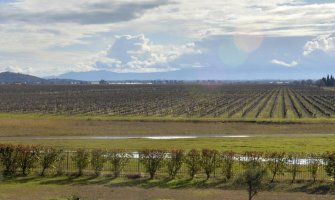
column 201, row 101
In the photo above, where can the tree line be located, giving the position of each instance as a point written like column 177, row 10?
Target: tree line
column 22, row 159
column 328, row 81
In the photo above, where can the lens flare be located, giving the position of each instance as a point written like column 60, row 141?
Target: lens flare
column 231, row 55
column 248, row 43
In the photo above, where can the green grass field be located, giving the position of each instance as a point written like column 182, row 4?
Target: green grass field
column 304, row 137
column 258, row 143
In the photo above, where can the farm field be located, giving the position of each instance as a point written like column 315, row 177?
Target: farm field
column 274, row 117
column 239, row 118
column 238, row 102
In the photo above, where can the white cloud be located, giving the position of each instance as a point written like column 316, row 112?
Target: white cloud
column 42, row 63
column 138, row 54
column 283, row 63
column 324, row 43
column 13, row 66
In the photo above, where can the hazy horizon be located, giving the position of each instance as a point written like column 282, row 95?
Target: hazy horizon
column 230, row 40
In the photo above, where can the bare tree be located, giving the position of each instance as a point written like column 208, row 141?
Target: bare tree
column 174, row 162
column 193, row 162
column 276, row 163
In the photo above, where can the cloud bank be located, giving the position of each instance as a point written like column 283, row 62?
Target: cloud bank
column 80, row 12
column 139, row 54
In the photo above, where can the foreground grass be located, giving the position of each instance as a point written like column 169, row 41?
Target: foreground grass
column 108, row 188
column 260, row 143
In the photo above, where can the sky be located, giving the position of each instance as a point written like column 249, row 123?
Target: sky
column 233, row 39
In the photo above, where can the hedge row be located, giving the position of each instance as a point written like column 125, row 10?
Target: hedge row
column 19, row 159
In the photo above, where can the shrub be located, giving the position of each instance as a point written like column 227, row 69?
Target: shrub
column 294, row 165
column 9, row 159
column 48, row 158
column 329, row 160
column 276, row 163
column 81, row 158
column 193, row 162
column 208, row 161
column 175, row 162
column 152, row 160
column 314, row 165
column 27, row 158
column 227, row 163
column 118, row 159
column 252, row 178
column 98, row 159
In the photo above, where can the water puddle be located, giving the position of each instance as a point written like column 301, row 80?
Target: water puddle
column 118, row 137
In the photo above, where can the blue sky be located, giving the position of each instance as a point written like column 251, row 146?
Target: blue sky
column 232, row 39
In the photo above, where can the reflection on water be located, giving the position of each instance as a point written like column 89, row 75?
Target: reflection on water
column 119, row 137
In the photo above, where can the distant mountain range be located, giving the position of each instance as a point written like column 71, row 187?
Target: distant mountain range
column 83, row 77
column 184, row 74
column 9, row 78
column 17, row 78
column 94, row 76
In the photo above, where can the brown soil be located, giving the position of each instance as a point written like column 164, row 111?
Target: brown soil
column 53, row 127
